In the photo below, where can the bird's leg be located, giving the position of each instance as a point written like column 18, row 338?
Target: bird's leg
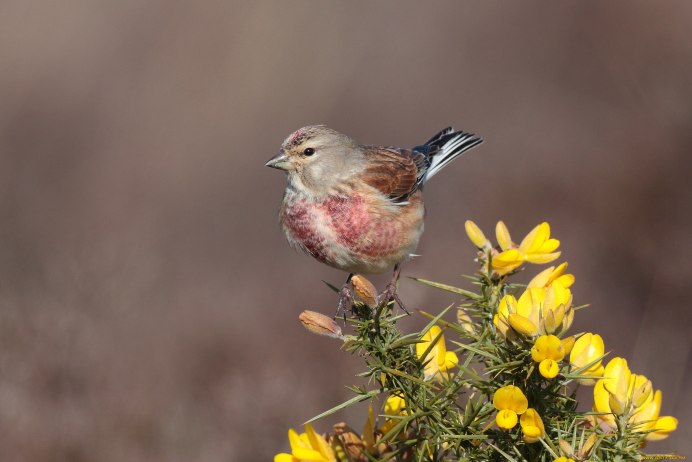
column 389, row 293
column 345, row 298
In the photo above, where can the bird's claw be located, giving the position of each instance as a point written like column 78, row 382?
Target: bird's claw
column 390, row 294
column 345, row 300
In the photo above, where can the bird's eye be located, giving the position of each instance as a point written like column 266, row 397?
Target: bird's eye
column 308, row 151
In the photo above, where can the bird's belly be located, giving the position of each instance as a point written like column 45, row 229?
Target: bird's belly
column 352, row 233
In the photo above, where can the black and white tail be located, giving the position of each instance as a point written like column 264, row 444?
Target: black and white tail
column 444, row 147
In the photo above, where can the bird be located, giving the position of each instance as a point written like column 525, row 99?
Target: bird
column 359, row 208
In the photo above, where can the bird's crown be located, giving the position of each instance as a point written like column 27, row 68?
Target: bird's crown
column 307, row 133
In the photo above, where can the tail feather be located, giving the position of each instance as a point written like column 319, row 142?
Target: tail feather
column 439, row 135
column 446, row 146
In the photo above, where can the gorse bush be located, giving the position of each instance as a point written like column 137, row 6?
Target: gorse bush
column 497, row 384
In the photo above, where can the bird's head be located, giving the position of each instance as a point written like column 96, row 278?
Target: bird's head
column 317, row 158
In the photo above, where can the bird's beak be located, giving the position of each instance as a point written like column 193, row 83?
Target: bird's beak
column 279, row 161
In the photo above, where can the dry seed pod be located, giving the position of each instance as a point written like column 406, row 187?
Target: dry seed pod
column 317, row 323
column 351, row 443
column 364, row 290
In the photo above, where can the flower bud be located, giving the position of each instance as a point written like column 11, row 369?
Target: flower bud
column 317, row 323
column 364, row 290
column 566, row 448
column 585, row 450
column 476, row 235
column 465, row 321
column 503, row 237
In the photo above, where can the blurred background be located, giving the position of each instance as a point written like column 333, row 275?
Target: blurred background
column 149, row 301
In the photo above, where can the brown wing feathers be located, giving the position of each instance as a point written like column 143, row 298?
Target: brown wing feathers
column 392, row 171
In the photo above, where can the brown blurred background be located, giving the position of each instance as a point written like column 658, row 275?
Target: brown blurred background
column 148, row 300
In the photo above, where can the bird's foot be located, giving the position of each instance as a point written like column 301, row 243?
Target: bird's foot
column 390, row 294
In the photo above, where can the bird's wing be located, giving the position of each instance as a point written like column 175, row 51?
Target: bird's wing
column 394, row 172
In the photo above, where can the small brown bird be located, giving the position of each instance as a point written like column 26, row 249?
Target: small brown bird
column 359, row 208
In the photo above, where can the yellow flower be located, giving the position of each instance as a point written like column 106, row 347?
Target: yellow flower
column 394, row 406
column 563, row 459
column 536, row 247
column 548, row 350
column 539, row 310
column 308, row 446
column 620, row 392
column 510, row 401
column 532, row 426
column 522, row 315
column 548, row 275
column 438, row 360
column 586, row 349
column 645, row 418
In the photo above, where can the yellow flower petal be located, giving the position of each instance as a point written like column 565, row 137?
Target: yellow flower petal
column 536, row 237
column 543, row 278
column 507, row 261
column 451, row 360
column 549, row 246
column 601, row 402
column 507, row 258
column 503, row 237
column 318, row 443
column 510, row 397
column 394, row 405
column 549, row 368
column 437, row 360
column 529, row 305
column 568, row 344
column 641, row 391
column 522, row 325
column 588, row 348
column 310, row 455
column 506, row 419
column 547, row 347
column 541, row 258
column 284, row 458
column 566, row 280
column 617, row 382
column 663, row 427
column 294, row 440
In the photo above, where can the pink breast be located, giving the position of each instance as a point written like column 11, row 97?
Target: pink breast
column 347, row 228
column 349, row 218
